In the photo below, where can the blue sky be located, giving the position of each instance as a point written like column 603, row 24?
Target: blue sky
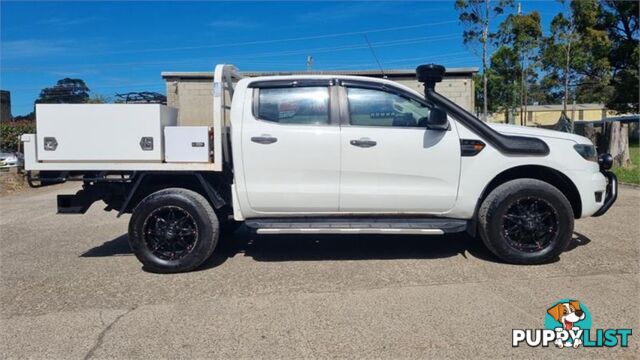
column 123, row 46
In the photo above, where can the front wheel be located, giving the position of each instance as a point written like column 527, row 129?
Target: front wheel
column 526, row 221
column 173, row 230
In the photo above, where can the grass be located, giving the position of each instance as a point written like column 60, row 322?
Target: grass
column 631, row 174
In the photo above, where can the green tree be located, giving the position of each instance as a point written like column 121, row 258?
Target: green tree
column 27, row 117
column 10, row 133
column 502, row 86
column 523, row 33
column 98, row 99
column 620, row 20
column 66, row 91
column 476, row 16
column 545, row 91
column 557, row 54
column 575, row 54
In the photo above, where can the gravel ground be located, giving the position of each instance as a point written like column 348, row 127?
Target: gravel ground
column 11, row 181
column 70, row 288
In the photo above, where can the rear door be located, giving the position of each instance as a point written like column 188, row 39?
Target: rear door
column 291, row 148
column 390, row 162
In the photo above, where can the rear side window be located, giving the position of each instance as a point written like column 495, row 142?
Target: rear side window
column 303, row 105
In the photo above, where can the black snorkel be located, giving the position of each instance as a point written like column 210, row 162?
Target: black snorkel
column 430, row 74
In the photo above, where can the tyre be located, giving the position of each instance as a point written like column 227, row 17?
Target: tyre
column 526, row 221
column 173, row 230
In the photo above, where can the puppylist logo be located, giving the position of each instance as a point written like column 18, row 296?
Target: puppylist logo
column 568, row 325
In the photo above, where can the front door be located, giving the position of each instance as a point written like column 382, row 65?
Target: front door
column 291, row 150
column 390, row 162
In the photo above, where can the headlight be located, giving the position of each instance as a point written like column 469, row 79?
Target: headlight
column 588, row 152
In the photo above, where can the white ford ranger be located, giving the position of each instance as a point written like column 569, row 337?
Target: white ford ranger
column 320, row 155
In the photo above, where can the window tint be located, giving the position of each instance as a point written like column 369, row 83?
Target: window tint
column 304, row 105
column 369, row 107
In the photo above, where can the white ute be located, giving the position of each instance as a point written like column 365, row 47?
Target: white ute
column 319, row 155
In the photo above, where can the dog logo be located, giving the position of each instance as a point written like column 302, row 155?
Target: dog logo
column 567, row 314
column 567, row 325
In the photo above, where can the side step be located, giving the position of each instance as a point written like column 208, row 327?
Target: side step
column 332, row 225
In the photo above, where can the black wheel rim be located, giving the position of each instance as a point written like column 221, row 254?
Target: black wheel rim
column 530, row 224
column 170, row 232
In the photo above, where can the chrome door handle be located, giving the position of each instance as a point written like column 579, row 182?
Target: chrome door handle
column 363, row 143
column 264, row 139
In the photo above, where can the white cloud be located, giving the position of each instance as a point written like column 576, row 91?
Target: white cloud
column 28, row 48
column 79, row 73
column 364, row 9
column 343, row 11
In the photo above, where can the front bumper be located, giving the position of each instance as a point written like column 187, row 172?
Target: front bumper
column 611, row 193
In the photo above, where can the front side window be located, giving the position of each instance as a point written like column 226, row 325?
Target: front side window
column 303, row 105
column 368, row 107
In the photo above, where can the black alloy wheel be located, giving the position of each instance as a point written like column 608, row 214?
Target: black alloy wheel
column 170, row 232
column 530, row 224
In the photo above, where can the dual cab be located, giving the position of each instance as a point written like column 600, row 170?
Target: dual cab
column 343, row 154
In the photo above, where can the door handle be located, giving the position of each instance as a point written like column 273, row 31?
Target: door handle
column 264, row 139
column 363, row 143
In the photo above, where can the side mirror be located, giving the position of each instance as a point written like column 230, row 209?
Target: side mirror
column 437, row 120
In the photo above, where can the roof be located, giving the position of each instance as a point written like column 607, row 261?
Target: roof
column 463, row 71
column 570, row 107
column 625, row 119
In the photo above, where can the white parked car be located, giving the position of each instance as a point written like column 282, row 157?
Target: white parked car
column 10, row 159
column 319, row 155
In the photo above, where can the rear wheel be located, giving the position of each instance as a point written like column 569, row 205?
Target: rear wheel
column 173, row 230
column 526, row 221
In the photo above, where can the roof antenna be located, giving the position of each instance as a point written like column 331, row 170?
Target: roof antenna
column 374, row 56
